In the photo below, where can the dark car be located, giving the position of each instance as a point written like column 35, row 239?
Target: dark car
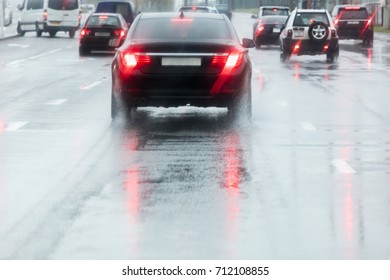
column 309, row 32
column 353, row 22
column 268, row 30
column 102, row 31
column 265, row 11
column 224, row 9
column 175, row 59
column 198, row 9
column 125, row 8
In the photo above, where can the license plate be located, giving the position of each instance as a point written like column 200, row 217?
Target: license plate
column 298, row 33
column 55, row 23
column 181, row 61
column 276, row 30
column 102, row 34
column 113, row 42
column 353, row 22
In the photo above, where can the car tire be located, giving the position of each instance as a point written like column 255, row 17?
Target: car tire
column 332, row 56
column 19, row 30
column 52, row 33
column 38, row 31
column 72, row 33
column 83, row 51
column 318, row 31
column 114, row 106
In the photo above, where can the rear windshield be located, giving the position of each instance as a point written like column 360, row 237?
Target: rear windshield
column 63, row 4
column 114, row 7
column 274, row 12
column 181, row 29
column 353, row 14
column 99, row 21
column 305, row 19
column 276, row 20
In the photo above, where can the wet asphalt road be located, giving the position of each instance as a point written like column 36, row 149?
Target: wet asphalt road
column 308, row 178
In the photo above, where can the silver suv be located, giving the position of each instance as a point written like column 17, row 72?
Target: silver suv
column 309, row 32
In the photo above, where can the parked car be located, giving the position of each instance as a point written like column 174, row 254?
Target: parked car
column 198, row 9
column 269, row 11
column 353, row 22
column 49, row 16
column 268, row 30
column 102, row 31
column 125, row 8
column 309, row 32
column 8, row 15
column 224, row 9
column 174, row 59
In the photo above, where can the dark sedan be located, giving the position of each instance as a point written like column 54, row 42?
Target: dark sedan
column 268, row 30
column 102, row 31
column 175, row 59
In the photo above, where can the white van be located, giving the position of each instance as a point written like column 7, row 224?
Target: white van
column 49, row 16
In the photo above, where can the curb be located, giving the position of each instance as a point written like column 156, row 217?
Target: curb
column 9, row 37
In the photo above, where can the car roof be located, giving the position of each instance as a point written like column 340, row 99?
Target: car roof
column 274, row 7
column 311, row 10
column 177, row 15
column 106, row 14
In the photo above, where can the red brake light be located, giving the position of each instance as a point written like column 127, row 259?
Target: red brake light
column 275, row 9
column 181, row 20
column 120, row 33
column 84, row 32
column 352, row 8
column 103, row 17
column 193, row 8
column 228, row 61
column 260, row 28
column 234, row 60
column 130, row 60
column 336, row 21
column 289, row 33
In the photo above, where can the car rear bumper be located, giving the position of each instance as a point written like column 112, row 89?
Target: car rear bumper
column 99, row 43
column 355, row 33
column 176, row 90
column 307, row 47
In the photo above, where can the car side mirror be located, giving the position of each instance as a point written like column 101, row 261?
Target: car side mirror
column 254, row 16
column 248, row 43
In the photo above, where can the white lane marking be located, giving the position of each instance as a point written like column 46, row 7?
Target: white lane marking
column 14, row 126
column 308, row 126
column 91, row 85
column 33, row 57
column 56, row 102
column 342, row 166
column 18, row 45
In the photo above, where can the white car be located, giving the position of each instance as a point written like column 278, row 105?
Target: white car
column 309, row 32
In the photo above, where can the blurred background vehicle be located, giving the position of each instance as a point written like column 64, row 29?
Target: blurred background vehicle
column 125, row 8
column 102, row 31
column 268, row 30
column 269, row 11
column 8, row 15
column 224, row 9
column 353, row 22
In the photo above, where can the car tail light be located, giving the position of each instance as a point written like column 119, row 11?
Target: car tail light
column 120, row 33
column 129, row 60
column 289, row 33
column 226, row 60
column 44, row 15
column 336, row 22
column 84, row 32
column 352, row 8
column 260, row 29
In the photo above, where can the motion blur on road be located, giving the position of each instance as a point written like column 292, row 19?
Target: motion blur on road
column 307, row 178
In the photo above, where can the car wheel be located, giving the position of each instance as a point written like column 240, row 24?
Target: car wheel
column 114, row 106
column 19, row 30
column 83, row 51
column 318, row 31
column 72, row 33
column 38, row 31
column 52, row 33
column 332, row 56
